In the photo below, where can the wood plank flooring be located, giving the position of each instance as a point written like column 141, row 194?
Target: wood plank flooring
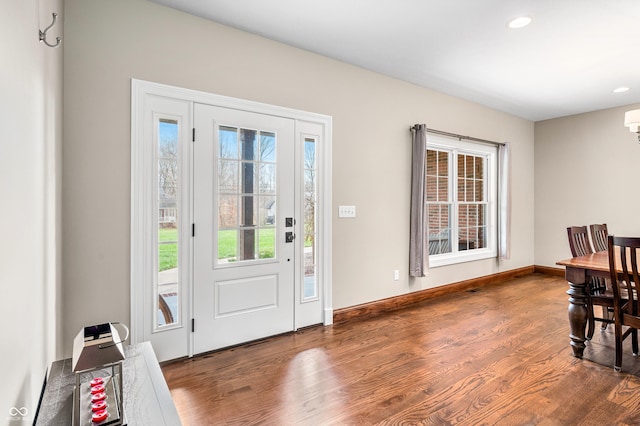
column 496, row 356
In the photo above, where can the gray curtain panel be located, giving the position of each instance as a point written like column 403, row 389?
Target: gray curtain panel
column 418, row 255
column 504, row 202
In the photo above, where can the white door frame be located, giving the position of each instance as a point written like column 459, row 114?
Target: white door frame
column 141, row 268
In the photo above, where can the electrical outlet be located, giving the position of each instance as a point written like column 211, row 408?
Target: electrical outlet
column 346, row 211
column 396, row 275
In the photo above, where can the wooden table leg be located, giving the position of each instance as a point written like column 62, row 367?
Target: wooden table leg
column 577, row 309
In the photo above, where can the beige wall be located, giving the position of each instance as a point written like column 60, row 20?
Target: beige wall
column 110, row 42
column 31, row 123
column 586, row 168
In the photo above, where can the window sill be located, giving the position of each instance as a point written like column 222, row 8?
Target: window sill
column 460, row 257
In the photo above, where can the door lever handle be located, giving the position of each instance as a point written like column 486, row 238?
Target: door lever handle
column 289, row 237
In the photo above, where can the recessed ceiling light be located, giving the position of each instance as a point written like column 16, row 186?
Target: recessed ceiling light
column 519, row 22
column 621, row 89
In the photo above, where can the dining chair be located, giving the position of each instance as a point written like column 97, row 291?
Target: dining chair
column 597, row 292
column 625, row 294
column 599, row 236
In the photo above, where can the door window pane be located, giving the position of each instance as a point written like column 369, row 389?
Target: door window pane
column 268, row 147
column 267, row 178
column 266, row 243
column 267, row 210
column 228, row 211
column 228, row 177
column 228, row 245
column 247, row 194
column 228, row 145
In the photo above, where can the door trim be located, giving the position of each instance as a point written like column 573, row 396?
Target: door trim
column 140, row 271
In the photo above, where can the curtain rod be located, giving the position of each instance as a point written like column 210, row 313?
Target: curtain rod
column 459, row 137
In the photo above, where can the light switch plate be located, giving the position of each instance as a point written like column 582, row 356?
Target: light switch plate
column 346, row 211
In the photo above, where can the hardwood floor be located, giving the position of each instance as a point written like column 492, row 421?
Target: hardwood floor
column 496, row 356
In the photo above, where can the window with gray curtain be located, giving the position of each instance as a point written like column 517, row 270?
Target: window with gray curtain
column 460, row 200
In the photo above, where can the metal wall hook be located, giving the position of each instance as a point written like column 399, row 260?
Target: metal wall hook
column 43, row 34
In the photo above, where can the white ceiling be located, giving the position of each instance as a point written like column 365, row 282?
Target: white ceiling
column 567, row 61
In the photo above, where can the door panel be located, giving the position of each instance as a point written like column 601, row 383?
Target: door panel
column 243, row 192
column 232, row 300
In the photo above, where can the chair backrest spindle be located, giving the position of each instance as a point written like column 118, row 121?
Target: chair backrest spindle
column 579, row 241
column 599, row 236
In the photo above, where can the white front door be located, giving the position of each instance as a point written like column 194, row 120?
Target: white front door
column 244, row 226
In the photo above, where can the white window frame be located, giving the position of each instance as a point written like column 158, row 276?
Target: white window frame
column 490, row 153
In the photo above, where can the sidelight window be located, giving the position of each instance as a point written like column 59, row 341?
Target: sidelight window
column 310, row 289
column 167, row 226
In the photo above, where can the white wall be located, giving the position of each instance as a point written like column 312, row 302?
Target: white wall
column 110, row 42
column 586, row 172
column 31, row 122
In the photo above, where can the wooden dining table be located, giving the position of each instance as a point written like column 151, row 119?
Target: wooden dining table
column 577, row 272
